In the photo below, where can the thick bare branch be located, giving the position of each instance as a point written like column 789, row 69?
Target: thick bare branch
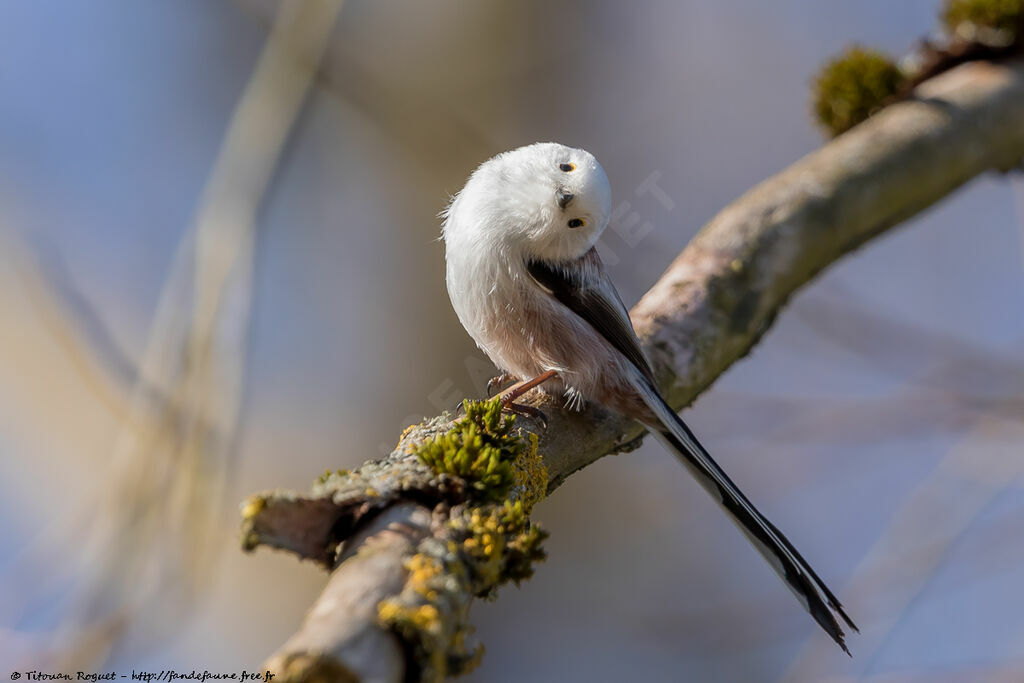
column 707, row 310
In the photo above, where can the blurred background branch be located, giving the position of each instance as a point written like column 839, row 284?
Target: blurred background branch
column 149, row 541
column 713, row 304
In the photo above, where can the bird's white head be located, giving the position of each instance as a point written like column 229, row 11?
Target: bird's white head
column 545, row 200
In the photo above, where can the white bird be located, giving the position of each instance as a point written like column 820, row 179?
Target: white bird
column 529, row 287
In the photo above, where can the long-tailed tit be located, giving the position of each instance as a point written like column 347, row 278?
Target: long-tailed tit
column 529, row 287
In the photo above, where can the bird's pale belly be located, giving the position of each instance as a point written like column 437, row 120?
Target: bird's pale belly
column 531, row 339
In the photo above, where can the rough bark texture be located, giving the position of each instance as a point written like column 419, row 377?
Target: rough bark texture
column 708, row 309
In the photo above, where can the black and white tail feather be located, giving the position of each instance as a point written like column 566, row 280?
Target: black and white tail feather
column 787, row 562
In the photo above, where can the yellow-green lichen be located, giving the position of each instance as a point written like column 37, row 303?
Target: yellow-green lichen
column 252, row 506
column 407, row 431
column 437, row 653
column 479, row 449
column 965, row 18
column 486, row 541
column 422, row 569
column 481, row 547
column 498, row 544
column 852, row 87
column 530, row 475
column 419, row 618
column 420, row 626
column 486, row 546
column 328, row 476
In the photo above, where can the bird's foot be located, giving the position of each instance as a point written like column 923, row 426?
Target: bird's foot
column 525, row 411
column 497, row 382
column 509, row 396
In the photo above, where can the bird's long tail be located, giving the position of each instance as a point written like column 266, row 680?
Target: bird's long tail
column 791, row 567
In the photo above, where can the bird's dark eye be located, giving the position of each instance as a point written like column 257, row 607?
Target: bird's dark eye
column 567, row 167
column 577, row 223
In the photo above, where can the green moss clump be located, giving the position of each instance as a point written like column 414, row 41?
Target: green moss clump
column 1003, row 16
column 852, row 87
column 479, row 449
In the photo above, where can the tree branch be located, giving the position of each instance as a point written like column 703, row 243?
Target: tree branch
column 397, row 521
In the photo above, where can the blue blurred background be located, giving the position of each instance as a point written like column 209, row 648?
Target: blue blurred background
column 878, row 423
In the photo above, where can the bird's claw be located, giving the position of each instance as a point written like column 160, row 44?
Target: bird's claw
column 508, row 398
column 525, row 411
column 497, row 382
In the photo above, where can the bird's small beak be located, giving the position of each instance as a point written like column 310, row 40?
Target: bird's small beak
column 563, row 198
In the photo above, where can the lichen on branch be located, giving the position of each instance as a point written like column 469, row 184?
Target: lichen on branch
column 479, row 548
column 481, row 477
column 483, row 543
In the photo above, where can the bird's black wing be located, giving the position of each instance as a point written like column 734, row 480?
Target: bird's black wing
column 582, row 287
